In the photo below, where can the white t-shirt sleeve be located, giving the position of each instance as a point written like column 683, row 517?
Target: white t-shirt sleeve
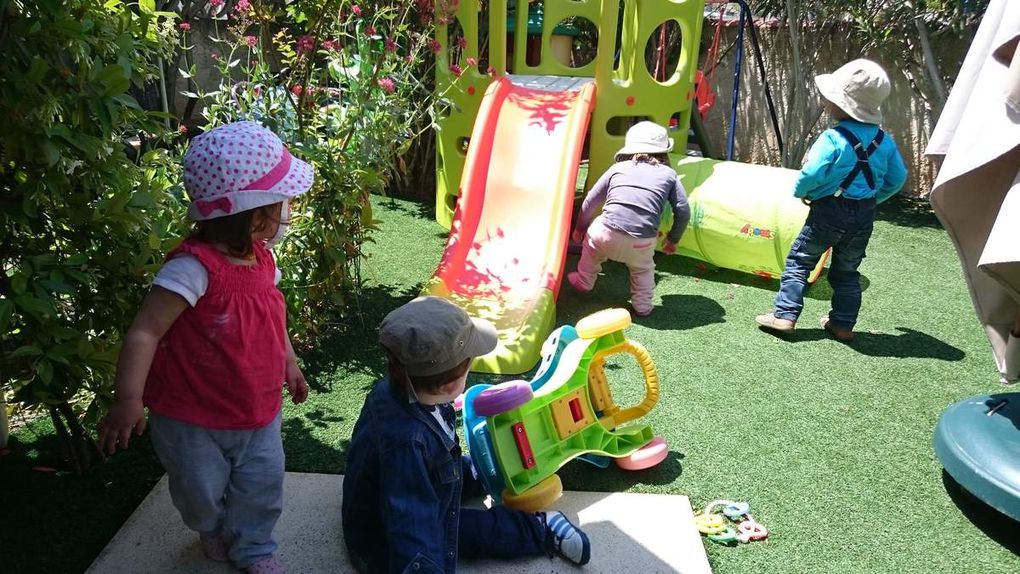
column 184, row 275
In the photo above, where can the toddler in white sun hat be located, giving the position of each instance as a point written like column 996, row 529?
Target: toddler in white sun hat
column 208, row 352
column 632, row 194
column 852, row 167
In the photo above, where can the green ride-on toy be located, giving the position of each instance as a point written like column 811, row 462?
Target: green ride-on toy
column 520, row 433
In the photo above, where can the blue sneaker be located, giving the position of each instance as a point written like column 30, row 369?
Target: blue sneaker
column 565, row 539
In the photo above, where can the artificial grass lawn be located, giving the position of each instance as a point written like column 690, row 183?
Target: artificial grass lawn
column 830, row 443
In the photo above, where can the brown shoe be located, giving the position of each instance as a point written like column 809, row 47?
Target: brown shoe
column 840, row 334
column 773, row 323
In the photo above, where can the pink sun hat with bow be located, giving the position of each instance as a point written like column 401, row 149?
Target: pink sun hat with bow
column 240, row 166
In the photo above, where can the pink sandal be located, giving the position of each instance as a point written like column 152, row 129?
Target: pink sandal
column 266, row 566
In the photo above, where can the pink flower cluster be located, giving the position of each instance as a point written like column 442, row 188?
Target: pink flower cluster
column 305, row 44
column 242, row 6
column 387, row 85
column 252, row 41
column 332, row 45
column 184, row 26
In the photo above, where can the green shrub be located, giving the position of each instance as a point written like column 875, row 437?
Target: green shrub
column 81, row 218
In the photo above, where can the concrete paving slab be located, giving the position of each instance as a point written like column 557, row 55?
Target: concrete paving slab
column 647, row 533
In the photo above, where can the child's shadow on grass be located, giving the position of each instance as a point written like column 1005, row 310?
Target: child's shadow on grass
column 683, row 312
column 907, row 344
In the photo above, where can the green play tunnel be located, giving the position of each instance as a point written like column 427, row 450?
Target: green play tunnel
column 743, row 216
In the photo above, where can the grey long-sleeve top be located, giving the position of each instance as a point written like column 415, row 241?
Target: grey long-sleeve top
column 632, row 196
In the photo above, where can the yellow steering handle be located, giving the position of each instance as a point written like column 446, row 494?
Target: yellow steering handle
column 613, row 416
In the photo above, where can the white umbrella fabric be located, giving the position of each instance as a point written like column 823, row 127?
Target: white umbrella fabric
column 976, row 195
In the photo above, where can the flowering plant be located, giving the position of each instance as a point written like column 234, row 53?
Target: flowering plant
column 341, row 84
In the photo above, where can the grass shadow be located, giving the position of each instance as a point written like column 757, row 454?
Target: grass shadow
column 994, row 524
column 683, row 312
column 907, row 344
column 353, row 347
column 300, row 443
column 56, row 521
column 905, row 211
column 580, row 475
column 412, row 206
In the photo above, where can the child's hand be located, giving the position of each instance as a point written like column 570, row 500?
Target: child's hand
column 669, row 248
column 577, row 236
column 296, row 384
column 124, row 417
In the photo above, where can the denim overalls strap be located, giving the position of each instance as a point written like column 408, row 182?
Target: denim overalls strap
column 863, row 155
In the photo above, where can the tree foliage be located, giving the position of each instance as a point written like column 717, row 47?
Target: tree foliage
column 81, row 218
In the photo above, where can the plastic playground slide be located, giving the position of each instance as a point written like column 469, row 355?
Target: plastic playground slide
column 504, row 257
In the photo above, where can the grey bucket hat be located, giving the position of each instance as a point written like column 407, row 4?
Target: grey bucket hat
column 431, row 335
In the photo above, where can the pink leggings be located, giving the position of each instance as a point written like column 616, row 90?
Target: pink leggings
column 602, row 243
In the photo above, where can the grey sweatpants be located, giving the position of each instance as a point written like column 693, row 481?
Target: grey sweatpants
column 225, row 480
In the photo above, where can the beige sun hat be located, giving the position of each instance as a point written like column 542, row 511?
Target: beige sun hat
column 646, row 137
column 431, row 335
column 858, row 88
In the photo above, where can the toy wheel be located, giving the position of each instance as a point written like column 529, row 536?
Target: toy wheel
column 502, row 398
column 645, row 457
column 603, row 323
column 535, row 498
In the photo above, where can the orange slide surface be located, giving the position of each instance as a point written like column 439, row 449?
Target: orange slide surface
column 505, row 254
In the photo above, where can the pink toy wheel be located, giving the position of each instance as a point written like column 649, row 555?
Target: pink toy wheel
column 645, row 457
column 502, row 398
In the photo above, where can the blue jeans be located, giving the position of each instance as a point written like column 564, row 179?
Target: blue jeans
column 845, row 225
column 500, row 532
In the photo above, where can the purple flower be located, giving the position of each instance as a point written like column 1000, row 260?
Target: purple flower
column 387, row 85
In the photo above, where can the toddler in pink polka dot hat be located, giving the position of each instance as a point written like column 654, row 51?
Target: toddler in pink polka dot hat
column 240, row 166
column 208, row 352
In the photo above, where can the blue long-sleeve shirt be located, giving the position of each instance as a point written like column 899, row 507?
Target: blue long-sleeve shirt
column 831, row 159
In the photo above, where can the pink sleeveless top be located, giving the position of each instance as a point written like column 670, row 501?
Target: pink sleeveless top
column 221, row 365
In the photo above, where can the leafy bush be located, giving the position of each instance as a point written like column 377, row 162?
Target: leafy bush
column 340, row 84
column 81, row 218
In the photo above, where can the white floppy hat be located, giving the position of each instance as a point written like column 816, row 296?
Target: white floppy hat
column 858, row 88
column 240, row 166
column 646, row 137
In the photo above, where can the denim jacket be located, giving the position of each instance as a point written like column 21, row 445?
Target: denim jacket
column 402, row 488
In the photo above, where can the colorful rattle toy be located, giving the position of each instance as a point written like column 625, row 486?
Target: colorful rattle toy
column 714, row 526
